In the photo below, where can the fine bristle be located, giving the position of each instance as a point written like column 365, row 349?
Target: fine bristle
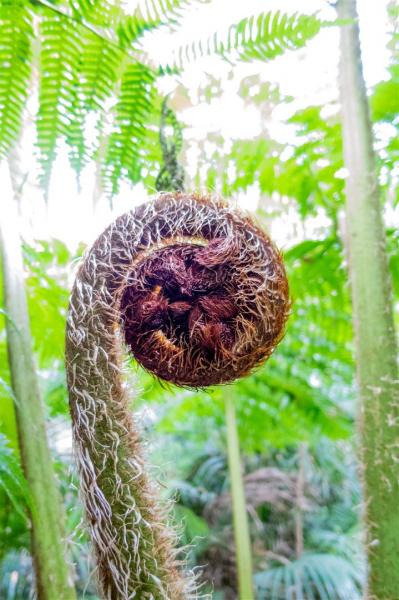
column 200, row 295
column 189, row 310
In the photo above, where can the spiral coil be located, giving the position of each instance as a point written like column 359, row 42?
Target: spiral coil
column 200, row 295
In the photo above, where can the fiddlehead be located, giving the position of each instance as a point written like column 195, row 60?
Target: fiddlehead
column 200, row 295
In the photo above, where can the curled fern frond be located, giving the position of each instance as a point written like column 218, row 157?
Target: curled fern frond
column 199, row 294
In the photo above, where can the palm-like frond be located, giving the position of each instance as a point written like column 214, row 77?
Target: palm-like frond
column 255, row 38
column 16, row 34
column 312, row 577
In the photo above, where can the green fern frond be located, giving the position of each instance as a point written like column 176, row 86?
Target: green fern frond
column 80, row 69
column 164, row 10
column 111, row 22
column 75, row 133
column 16, row 34
column 12, row 481
column 263, row 37
column 131, row 28
column 270, row 35
column 59, row 60
column 100, row 66
column 123, row 152
column 94, row 11
column 194, row 528
column 314, row 576
column 107, row 17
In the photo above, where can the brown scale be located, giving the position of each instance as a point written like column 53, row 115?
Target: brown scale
column 200, row 315
column 173, row 300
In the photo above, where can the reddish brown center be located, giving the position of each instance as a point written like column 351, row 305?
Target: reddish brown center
column 179, row 295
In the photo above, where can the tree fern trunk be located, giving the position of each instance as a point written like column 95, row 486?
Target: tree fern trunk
column 376, row 350
column 53, row 580
column 240, row 518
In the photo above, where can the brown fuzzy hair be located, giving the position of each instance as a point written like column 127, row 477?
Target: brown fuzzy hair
column 200, row 295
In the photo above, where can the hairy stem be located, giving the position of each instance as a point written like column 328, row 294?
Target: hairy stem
column 200, row 295
column 375, row 341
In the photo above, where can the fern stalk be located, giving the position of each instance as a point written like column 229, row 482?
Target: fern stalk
column 240, row 518
column 375, row 342
column 152, row 271
column 53, row 578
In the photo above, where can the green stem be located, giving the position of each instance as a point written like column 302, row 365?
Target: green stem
column 53, row 579
column 375, row 342
column 240, row 518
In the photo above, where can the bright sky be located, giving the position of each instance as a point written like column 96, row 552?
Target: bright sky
column 309, row 75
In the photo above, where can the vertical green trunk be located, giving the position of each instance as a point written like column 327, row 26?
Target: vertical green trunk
column 376, row 350
column 241, row 528
column 53, row 579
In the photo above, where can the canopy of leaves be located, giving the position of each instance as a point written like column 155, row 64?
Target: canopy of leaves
column 92, row 62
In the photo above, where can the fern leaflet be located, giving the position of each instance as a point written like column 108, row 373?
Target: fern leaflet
column 16, row 34
column 263, row 37
column 123, row 153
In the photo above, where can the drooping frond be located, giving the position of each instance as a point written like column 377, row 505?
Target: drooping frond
column 122, row 156
column 81, row 67
column 100, row 67
column 255, row 38
column 59, row 72
column 16, row 34
column 75, row 132
column 91, row 56
column 110, row 22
